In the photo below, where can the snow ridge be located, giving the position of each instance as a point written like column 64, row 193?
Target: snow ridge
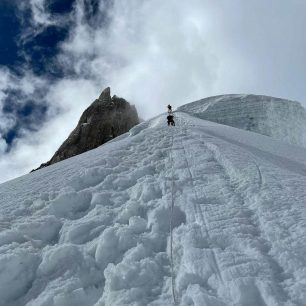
column 279, row 118
column 197, row 214
column 173, row 276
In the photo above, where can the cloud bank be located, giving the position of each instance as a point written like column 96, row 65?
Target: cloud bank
column 152, row 53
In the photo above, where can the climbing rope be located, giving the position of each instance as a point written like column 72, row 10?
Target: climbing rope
column 171, row 224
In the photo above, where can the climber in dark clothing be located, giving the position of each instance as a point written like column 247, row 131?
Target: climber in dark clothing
column 169, row 108
column 170, row 120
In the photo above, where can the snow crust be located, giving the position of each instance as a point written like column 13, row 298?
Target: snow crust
column 279, row 118
column 197, row 214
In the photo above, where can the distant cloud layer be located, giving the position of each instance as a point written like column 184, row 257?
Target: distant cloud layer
column 151, row 52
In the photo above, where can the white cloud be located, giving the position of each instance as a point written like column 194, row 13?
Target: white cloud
column 7, row 121
column 156, row 52
column 150, row 56
column 3, row 145
column 40, row 19
column 40, row 14
column 32, row 149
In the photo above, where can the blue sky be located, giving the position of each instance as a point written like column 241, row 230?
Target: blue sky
column 28, row 46
column 56, row 56
column 35, row 53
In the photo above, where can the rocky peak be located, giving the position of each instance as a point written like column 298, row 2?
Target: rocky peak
column 105, row 96
column 106, row 118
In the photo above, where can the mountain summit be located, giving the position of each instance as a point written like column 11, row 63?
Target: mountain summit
column 106, row 118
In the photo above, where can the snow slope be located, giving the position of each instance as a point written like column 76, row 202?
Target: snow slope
column 279, row 118
column 197, row 214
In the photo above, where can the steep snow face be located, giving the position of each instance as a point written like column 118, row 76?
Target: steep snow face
column 281, row 119
column 197, row 214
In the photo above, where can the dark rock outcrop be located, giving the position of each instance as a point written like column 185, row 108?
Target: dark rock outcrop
column 106, row 118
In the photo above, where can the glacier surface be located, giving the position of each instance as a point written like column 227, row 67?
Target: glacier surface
column 279, row 118
column 197, row 214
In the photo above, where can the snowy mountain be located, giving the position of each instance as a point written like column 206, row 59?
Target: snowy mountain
column 197, row 214
column 279, row 118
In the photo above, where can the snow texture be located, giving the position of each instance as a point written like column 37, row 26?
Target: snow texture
column 279, row 118
column 196, row 214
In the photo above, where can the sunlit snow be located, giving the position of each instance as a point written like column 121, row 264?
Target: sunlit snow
column 197, row 214
column 279, row 118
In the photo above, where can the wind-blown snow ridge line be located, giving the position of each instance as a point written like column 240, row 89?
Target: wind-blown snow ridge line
column 259, row 175
column 274, row 266
column 253, row 157
column 202, row 214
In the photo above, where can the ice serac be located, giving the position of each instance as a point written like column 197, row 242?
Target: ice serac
column 106, row 118
column 279, row 118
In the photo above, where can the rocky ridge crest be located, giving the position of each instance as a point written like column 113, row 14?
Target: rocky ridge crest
column 106, row 118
